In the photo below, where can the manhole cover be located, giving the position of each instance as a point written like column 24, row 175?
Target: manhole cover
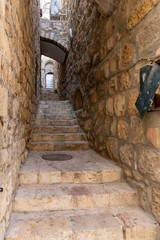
column 57, row 157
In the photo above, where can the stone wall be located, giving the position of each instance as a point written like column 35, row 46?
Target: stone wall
column 19, row 83
column 108, row 48
column 56, row 31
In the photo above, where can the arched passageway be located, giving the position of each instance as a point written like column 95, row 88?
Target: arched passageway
column 52, row 49
column 54, row 39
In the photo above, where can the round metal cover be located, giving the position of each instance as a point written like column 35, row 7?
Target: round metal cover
column 57, row 157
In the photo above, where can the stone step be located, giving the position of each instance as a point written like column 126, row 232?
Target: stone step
column 56, row 129
column 84, row 167
column 99, row 224
column 56, row 108
column 54, row 111
column 58, row 137
column 54, row 103
column 48, row 122
column 58, row 146
column 73, row 196
column 55, row 117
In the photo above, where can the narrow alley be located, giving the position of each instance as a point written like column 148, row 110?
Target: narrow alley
column 79, row 120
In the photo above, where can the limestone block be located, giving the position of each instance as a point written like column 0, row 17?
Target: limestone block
column 109, row 107
column 153, row 135
column 148, row 36
column 113, row 87
column 140, row 11
column 113, row 127
column 88, row 125
column 156, row 203
column 128, row 173
column 3, row 197
column 108, row 29
column 15, row 108
column 136, row 132
column 149, row 164
column 2, row 230
column 106, row 129
column 123, row 129
column 102, row 90
column 119, row 105
column 15, row 87
column 124, row 81
column 93, row 97
column 132, row 110
column 127, row 54
column 143, row 196
column 3, row 102
column 53, row 177
column 110, row 43
column 114, row 63
column 105, row 68
column 126, row 154
column 112, row 148
column 101, row 108
column 5, row 157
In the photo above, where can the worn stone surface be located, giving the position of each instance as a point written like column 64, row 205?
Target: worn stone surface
column 136, row 133
column 124, row 81
column 153, row 135
column 85, row 167
column 56, row 31
column 73, row 196
column 19, row 83
column 54, row 137
column 90, row 224
column 149, row 164
column 127, row 54
column 123, row 129
column 112, row 148
column 126, row 155
column 155, row 203
column 119, row 105
column 4, row 102
column 140, row 11
column 116, row 47
column 104, row 205
column 132, row 110
column 85, row 184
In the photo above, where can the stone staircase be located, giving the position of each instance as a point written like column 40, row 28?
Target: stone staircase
column 81, row 198
column 56, row 128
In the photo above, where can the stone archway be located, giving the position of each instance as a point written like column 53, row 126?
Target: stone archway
column 54, row 39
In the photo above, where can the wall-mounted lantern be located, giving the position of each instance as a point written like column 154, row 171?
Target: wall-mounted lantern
column 149, row 83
